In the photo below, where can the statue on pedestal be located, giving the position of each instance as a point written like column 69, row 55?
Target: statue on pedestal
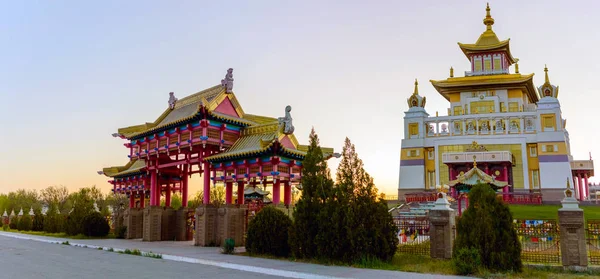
column 285, row 123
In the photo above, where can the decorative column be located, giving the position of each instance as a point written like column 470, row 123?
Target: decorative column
column 184, row 187
column 240, row 192
column 168, row 195
column 287, row 193
column 521, row 124
column 442, row 220
column 586, row 185
column 131, row 200
column 276, row 191
column 206, row 178
column 228, row 192
column 572, row 233
column 580, row 185
column 153, row 187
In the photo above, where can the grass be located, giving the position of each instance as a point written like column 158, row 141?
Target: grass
column 61, row 235
column 540, row 212
column 425, row 264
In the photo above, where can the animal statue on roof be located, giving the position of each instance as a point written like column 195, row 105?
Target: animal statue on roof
column 227, row 82
column 172, row 100
column 285, row 123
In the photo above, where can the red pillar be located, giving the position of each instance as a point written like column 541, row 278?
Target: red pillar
column 142, row 199
column 580, row 185
column 228, row 192
column 131, row 200
column 276, row 192
column 153, row 188
column 240, row 192
column 287, row 193
column 168, row 195
column 587, row 186
column 184, row 188
column 206, row 178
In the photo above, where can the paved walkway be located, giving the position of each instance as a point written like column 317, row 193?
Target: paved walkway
column 184, row 251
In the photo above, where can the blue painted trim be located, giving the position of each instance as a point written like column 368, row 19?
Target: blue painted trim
column 196, row 124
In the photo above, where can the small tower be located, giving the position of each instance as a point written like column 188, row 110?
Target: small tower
column 547, row 89
column 415, row 100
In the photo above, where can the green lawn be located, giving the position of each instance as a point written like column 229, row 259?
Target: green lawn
column 61, row 235
column 548, row 211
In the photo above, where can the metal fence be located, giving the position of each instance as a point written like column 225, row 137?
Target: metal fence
column 593, row 241
column 413, row 235
column 539, row 240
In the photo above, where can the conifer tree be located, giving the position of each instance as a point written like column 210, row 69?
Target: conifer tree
column 316, row 187
column 486, row 226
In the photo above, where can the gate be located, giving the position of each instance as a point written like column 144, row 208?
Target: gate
column 413, row 234
column 593, row 241
column 190, row 224
column 539, row 240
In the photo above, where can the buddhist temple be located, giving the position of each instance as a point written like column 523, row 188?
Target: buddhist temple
column 500, row 129
column 206, row 133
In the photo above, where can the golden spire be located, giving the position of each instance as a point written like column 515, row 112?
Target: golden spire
column 416, row 92
column 488, row 20
column 474, row 161
column 451, row 71
column 568, row 192
column 546, row 73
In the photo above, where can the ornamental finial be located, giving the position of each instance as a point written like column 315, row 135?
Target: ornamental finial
column 488, row 20
column 474, row 161
column 172, row 100
column 568, row 192
column 227, row 82
column 451, row 71
column 416, row 87
column 546, row 73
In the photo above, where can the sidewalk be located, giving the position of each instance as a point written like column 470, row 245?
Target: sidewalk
column 184, row 251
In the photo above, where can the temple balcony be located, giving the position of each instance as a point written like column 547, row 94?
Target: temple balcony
column 488, row 72
column 483, row 124
column 482, row 156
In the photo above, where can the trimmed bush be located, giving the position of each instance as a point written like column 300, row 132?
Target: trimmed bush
column 486, row 226
column 94, row 224
column 268, row 233
column 466, row 261
column 24, row 223
column 53, row 222
column 38, row 222
column 5, row 227
column 13, row 223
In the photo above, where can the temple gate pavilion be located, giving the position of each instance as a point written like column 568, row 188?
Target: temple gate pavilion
column 206, row 133
column 496, row 116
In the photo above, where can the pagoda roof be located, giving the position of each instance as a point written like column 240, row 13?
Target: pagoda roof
column 470, row 83
column 251, row 190
column 474, row 176
column 134, row 166
column 190, row 107
column 261, row 139
column 488, row 41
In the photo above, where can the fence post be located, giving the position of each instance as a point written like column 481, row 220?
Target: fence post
column 572, row 233
column 441, row 219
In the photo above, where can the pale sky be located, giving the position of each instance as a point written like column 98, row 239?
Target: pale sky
column 74, row 71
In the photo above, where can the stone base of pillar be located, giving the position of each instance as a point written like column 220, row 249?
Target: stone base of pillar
column 167, row 224
column 181, row 224
column 134, row 221
column 214, row 225
column 441, row 233
column 572, row 239
column 205, row 234
column 152, row 223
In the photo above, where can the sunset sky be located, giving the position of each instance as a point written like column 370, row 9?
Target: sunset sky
column 72, row 72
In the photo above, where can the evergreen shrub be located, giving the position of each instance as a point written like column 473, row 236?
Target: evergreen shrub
column 94, row 224
column 24, row 223
column 229, row 246
column 5, row 227
column 13, row 223
column 268, row 233
column 121, row 232
column 38, row 222
column 466, row 261
column 487, row 226
column 53, row 222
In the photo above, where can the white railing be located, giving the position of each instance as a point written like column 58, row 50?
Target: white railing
column 484, row 156
column 489, row 72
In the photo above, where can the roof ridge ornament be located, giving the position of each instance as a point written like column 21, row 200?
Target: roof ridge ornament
column 415, row 100
column 416, row 87
column 285, row 123
column 227, row 82
column 172, row 100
